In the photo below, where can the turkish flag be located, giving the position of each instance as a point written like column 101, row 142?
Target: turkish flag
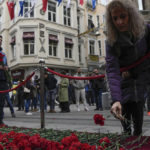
column 81, row 2
column 44, row 5
column 11, row 9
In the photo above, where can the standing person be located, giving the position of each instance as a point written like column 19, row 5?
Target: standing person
column 79, row 86
column 51, row 85
column 97, row 86
column 128, row 39
column 63, row 94
column 3, row 80
column 20, row 94
column 27, row 97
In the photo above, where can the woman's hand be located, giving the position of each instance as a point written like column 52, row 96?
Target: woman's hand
column 125, row 74
column 116, row 110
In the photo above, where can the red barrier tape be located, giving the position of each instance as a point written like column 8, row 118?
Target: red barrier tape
column 101, row 76
column 28, row 78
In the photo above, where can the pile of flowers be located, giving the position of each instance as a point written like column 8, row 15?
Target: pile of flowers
column 12, row 138
column 21, row 141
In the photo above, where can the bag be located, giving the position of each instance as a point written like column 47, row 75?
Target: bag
column 26, row 90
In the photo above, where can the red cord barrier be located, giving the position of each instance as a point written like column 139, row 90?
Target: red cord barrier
column 28, row 78
column 77, row 78
column 101, row 76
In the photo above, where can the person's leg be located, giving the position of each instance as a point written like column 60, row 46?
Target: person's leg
column 148, row 98
column 96, row 95
column 137, row 115
column 77, row 96
column 100, row 99
column 27, row 105
column 126, row 113
column 84, row 99
column 9, row 103
column 2, row 101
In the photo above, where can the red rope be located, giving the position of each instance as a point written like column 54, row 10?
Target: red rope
column 136, row 63
column 28, row 78
column 77, row 78
column 101, row 76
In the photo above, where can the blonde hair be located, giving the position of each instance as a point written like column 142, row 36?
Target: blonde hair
column 136, row 20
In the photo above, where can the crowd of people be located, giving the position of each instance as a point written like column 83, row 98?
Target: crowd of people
column 63, row 92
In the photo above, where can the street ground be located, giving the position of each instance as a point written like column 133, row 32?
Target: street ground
column 79, row 121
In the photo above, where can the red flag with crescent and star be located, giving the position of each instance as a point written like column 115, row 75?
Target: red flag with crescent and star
column 44, row 5
column 11, row 9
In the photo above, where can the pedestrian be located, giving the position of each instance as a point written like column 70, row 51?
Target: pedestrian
column 79, row 86
column 27, row 97
column 128, row 39
column 3, row 80
column 97, row 86
column 20, row 94
column 63, row 94
column 51, row 85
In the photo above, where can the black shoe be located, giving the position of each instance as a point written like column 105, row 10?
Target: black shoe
column 96, row 109
column 13, row 115
column 101, row 109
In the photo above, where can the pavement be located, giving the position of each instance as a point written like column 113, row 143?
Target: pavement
column 75, row 121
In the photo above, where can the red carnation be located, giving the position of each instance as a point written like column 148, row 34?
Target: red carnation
column 105, row 139
column 99, row 119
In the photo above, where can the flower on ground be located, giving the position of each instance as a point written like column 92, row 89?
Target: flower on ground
column 99, row 119
column 104, row 139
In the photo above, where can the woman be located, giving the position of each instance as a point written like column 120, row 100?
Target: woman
column 63, row 94
column 127, row 41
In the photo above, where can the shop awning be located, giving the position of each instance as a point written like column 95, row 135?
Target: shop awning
column 53, row 37
column 68, row 41
column 28, row 35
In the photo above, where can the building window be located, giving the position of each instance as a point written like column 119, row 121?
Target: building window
column 53, row 44
column 90, row 22
column 104, row 18
column 79, row 49
column 13, row 49
column 67, row 16
column 68, row 48
column 98, row 21
column 78, row 22
column 52, row 11
column 92, row 47
column 0, row 22
column 28, row 13
column 100, row 48
column 28, row 41
column 13, row 46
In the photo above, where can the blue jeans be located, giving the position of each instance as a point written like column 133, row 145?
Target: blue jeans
column 39, row 101
column 27, row 105
column 34, row 103
column 51, row 100
column 9, row 103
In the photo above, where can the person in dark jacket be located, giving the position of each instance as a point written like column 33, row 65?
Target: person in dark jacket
column 51, row 84
column 20, row 94
column 3, row 80
column 97, row 86
column 128, row 39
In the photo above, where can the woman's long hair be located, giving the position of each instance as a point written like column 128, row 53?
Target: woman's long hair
column 136, row 20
